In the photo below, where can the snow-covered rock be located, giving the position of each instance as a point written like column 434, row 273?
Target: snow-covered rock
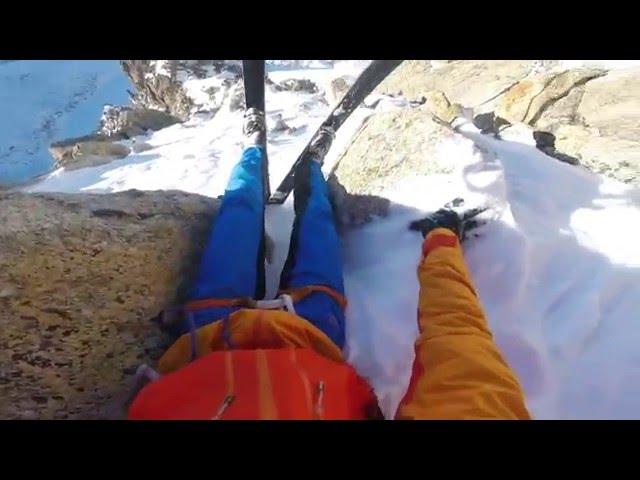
column 591, row 107
column 87, row 151
column 122, row 121
column 298, row 85
column 180, row 87
column 156, row 88
column 338, row 87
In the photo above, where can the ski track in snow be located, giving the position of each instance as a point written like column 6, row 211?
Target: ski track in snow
column 557, row 266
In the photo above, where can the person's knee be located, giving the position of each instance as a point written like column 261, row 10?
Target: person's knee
column 240, row 200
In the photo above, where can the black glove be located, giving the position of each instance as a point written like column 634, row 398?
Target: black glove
column 459, row 222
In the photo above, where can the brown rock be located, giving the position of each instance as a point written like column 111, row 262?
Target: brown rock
column 72, row 260
column 598, row 122
column 391, row 146
column 615, row 157
column 514, row 106
column 440, row 107
column 337, row 88
column 612, row 104
column 353, row 209
column 87, row 151
column 468, row 82
column 558, row 87
column 563, row 111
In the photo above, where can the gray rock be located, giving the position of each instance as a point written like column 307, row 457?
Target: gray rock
column 389, row 147
column 546, row 142
column 236, row 97
column 157, row 91
column 279, row 125
column 490, row 123
column 86, row 273
column 599, row 124
column 298, row 85
column 352, row 210
column 338, row 87
column 615, row 157
column 139, row 147
column 612, row 104
column 128, row 122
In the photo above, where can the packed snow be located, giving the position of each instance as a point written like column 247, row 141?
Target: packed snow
column 557, row 269
column 557, row 266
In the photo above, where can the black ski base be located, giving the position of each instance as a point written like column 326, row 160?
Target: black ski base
column 370, row 78
column 253, row 74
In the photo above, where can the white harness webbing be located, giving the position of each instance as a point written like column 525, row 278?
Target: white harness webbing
column 283, row 302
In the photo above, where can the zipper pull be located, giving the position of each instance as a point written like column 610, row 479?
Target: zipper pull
column 319, row 400
column 228, row 400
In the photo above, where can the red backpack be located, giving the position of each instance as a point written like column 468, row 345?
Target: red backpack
column 283, row 383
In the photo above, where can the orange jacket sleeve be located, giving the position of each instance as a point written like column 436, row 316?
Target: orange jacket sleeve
column 458, row 372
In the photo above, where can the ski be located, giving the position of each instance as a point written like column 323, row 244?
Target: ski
column 253, row 75
column 253, row 78
column 368, row 80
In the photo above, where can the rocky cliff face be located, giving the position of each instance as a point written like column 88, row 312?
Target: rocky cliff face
column 156, row 88
column 591, row 115
column 80, row 278
column 175, row 86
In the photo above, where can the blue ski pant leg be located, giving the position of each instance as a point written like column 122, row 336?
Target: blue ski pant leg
column 232, row 263
column 315, row 256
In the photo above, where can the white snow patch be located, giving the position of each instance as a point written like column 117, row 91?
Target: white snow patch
column 557, row 276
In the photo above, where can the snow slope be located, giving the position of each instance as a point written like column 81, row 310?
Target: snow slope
column 557, row 269
column 198, row 155
column 43, row 101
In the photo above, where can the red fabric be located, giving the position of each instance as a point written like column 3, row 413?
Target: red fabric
column 206, row 303
column 279, row 383
column 438, row 240
column 298, row 293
